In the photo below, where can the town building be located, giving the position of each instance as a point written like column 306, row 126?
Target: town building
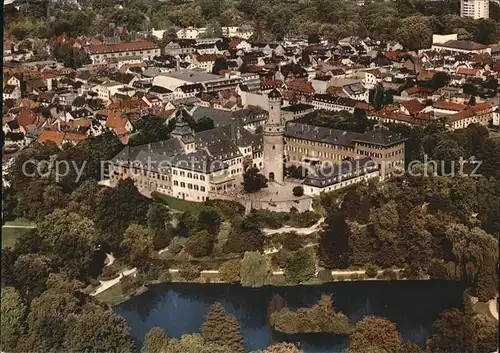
column 308, row 145
column 138, row 49
column 475, row 9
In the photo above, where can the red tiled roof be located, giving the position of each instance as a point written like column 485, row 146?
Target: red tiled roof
column 301, row 86
column 449, row 106
column 413, row 90
column 413, row 106
column 26, row 118
column 235, row 42
column 467, row 72
column 121, row 47
column 467, row 113
column 49, row 135
column 207, row 57
column 481, row 106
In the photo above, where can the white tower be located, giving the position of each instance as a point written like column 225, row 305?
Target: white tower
column 273, row 140
column 475, row 9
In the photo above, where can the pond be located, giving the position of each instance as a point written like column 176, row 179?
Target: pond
column 180, row 308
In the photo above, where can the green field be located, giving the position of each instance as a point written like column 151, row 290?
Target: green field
column 178, row 204
column 9, row 235
column 113, row 296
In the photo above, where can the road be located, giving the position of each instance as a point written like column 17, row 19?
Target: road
column 108, row 284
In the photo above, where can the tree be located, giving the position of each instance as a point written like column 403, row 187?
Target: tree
column 158, row 217
column 418, row 240
column 155, row 341
column 298, row 191
column 378, row 96
column 451, row 332
column 334, row 242
column 117, row 208
column 245, row 236
column 69, row 240
column 200, row 244
column 113, row 332
column 48, row 315
column 13, row 317
column 204, row 123
column 282, row 348
column 301, row 266
column 222, row 329
column 169, row 35
column 230, row 271
column 187, row 223
column 30, row 273
column 189, row 272
column 253, row 181
column 195, row 343
column 137, row 246
column 254, row 269
column 209, row 219
column 415, row 33
column 321, row 318
column 70, row 56
column 374, row 332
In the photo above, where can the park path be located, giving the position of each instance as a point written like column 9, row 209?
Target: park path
column 493, row 305
column 275, row 250
column 303, row 231
column 18, row 226
column 110, row 259
column 108, row 284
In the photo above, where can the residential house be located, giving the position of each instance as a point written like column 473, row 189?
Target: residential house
column 11, row 92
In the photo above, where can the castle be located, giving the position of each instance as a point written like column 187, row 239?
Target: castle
column 210, row 164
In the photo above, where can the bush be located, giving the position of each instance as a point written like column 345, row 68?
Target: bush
column 161, row 239
column 176, row 246
column 298, row 191
column 437, row 270
column 325, row 276
column 371, row 272
column 280, row 258
column 292, row 241
column 389, row 274
column 229, row 209
column 130, row 284
column 109, row 272
column 354, row 277
column 230, row 271
column 165, row 276
column 189, row 272
column 94, row 282
column 200, row 244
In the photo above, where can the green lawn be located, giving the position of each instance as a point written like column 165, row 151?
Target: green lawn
column 178, row 204
column 113, row 296
column 20, row 222
column 9, row 235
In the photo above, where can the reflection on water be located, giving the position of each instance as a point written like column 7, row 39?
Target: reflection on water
column 181, row 308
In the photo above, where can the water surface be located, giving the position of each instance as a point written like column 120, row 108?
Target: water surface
column 180, row 308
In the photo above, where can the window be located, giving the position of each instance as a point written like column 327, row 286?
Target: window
column 202, row 177
column 202, row 188
column 183, row 185
column 176, row 183
column 190, row 175
column 196, row 187
column 175, row 172
column 182, row 174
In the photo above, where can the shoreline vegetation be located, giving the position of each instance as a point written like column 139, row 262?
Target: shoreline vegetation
column 434, row 227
